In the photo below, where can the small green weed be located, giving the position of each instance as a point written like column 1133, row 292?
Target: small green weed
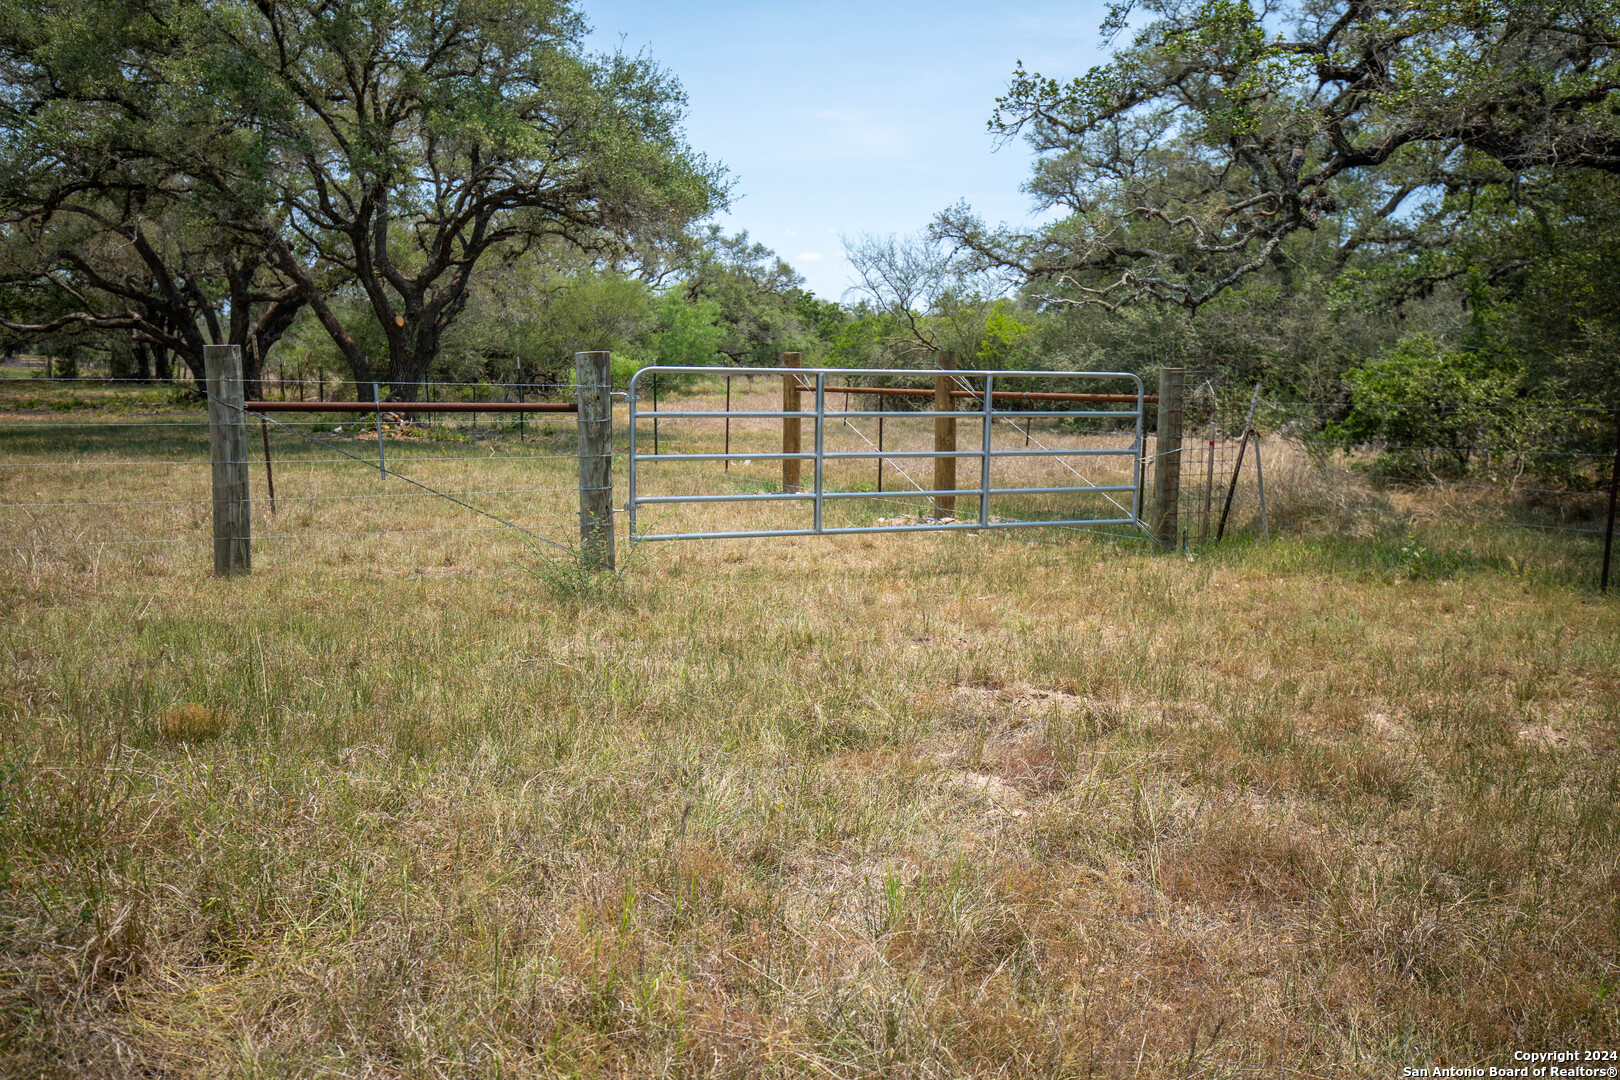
column 566, row 578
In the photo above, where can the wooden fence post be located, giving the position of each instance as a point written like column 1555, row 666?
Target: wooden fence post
column 594, row 397
column 227, row 440
column 945, row 438
column 1614, row 489
column 1167, row 454
column 790, row 424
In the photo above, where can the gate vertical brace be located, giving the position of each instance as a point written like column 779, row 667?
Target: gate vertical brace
column 944, row 439
column 1167, row 454
column 984, row 471
column 1138, row 462
column 821, row 444
column 630, row 465
column 595, row 403
column 227, row 440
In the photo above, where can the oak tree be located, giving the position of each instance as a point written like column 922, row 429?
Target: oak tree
column 1223, row 128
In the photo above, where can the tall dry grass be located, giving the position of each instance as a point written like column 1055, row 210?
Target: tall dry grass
column 1024, row 803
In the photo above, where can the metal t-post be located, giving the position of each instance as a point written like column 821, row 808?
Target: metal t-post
column 382, row 462
column 595, row 401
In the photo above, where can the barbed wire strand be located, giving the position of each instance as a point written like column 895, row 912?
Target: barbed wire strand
column 288, row 498
column 280, row 536
column 189, row 385
column 390, row 472
column 290, row 461
column 38, row 425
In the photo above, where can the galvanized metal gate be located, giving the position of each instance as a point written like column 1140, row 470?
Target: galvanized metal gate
column 973, row 385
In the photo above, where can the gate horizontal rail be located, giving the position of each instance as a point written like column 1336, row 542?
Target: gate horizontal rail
column 1017, row 395
column 814, row 381
column 845, row 414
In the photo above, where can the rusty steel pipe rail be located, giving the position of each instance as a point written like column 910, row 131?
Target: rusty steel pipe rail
column 413, row 406
column 1025, row 395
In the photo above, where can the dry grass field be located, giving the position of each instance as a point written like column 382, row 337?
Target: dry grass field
column 1016, row 803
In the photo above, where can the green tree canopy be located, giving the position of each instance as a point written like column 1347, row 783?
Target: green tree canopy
column 130, row 201
column 1186, row 162
column 423, row 136
column 293, row 152
column 755, row 294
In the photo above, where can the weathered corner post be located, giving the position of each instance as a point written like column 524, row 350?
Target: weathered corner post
column 227, row 440
column 790, row 424
column 594, row 389
column 945, row 437
column 1167, row 454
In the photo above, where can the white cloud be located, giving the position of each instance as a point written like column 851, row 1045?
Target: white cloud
column 809, row 256
column 790, row 232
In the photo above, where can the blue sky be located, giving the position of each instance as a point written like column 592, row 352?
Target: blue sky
column 842, row 118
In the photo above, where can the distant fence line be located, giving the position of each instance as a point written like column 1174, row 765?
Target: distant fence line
column 1203, row 466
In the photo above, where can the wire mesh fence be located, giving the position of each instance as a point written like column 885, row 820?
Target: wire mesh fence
column 1322, row 473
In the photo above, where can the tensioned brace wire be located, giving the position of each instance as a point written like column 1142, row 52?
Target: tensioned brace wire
column 390, row 472
column 892, row 464
column 1082, row 477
